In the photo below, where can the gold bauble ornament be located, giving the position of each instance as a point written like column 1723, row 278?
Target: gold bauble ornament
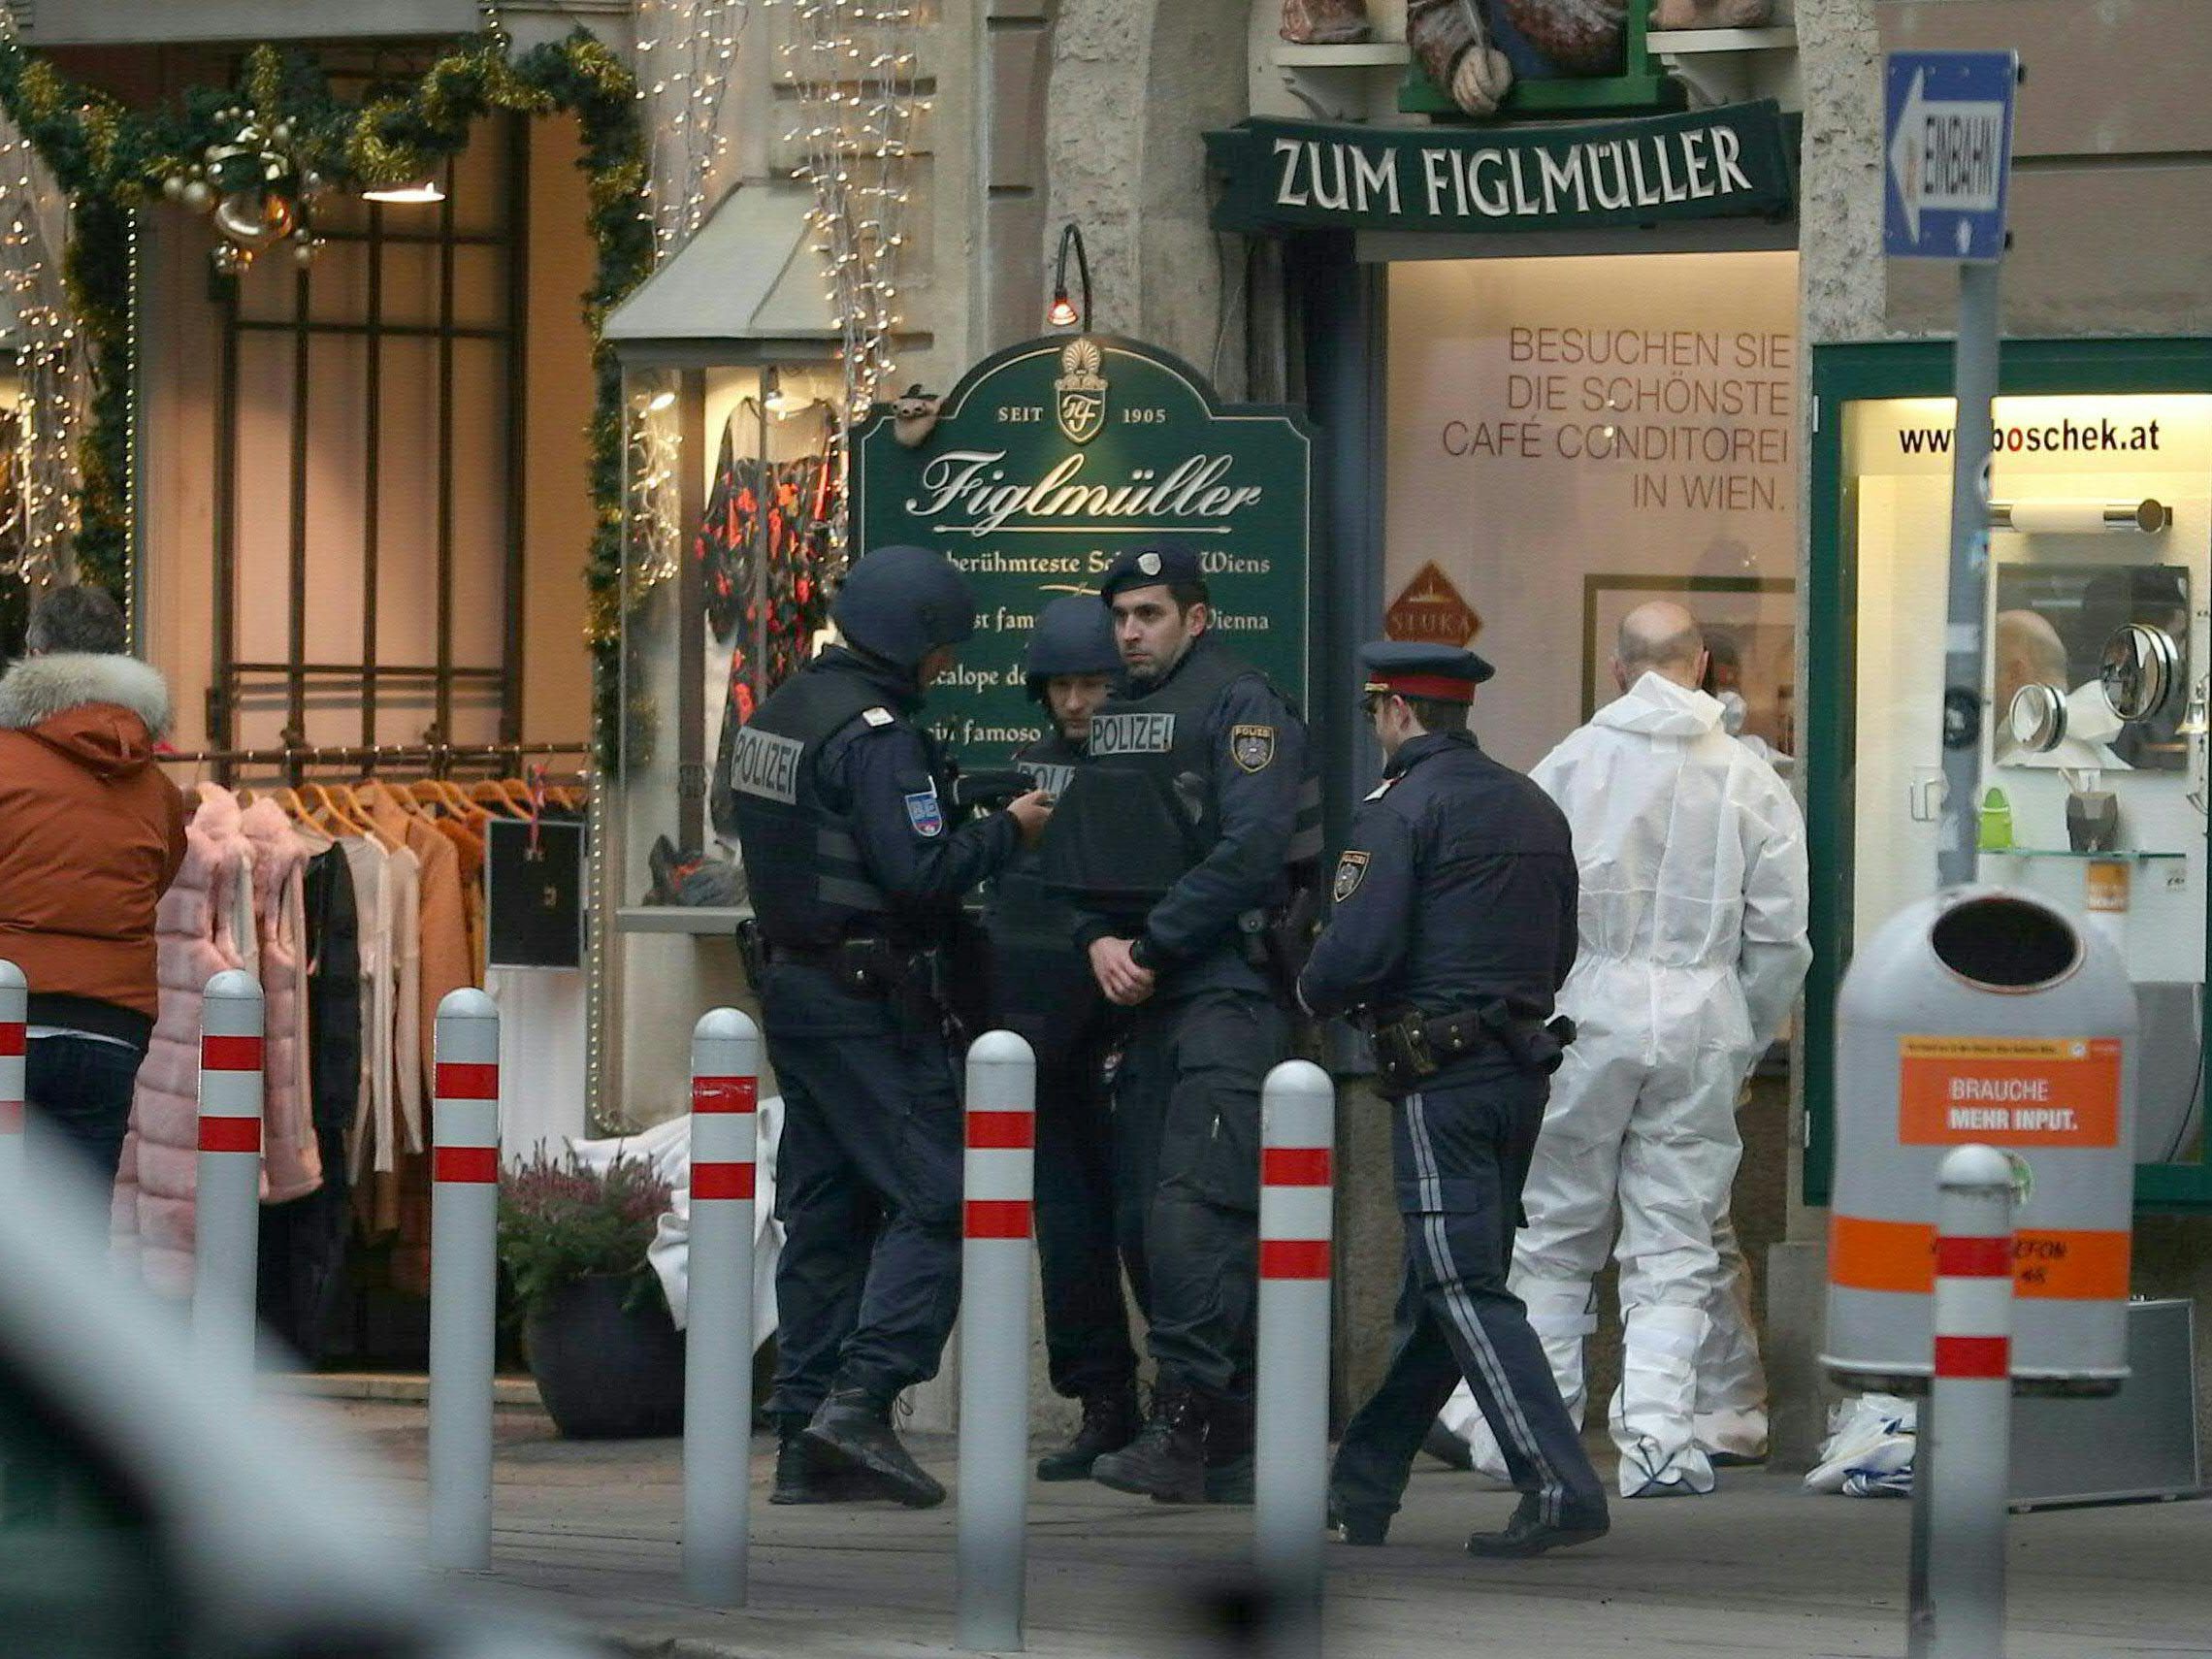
column 253, row 218
column 231, row 260
column 198, row 195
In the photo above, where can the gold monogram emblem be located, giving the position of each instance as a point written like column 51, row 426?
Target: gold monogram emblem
column 1081, row 391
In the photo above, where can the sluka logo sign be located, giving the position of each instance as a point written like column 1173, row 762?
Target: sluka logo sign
column 1283, row 175
column 1051, row 458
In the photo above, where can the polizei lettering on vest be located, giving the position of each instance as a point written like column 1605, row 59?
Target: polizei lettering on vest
column 1132, row 734
column 969, row 490
column 764, row 764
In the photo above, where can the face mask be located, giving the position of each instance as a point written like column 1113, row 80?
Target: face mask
column 1734, row 711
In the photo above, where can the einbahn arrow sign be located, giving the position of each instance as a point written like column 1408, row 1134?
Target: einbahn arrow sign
column 1948, row 139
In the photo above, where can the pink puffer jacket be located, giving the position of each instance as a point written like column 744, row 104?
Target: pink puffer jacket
column 196, row 938
column 291, row 1162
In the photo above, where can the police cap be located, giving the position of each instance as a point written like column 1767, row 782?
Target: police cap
column 1074, row 636
column 1407, row 667
column 903, row 602
column 1155, row 564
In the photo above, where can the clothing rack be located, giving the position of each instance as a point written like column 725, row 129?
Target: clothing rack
column 435, row 759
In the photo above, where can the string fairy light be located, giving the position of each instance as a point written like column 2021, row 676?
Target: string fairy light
column 685, row 53
column 53, row 367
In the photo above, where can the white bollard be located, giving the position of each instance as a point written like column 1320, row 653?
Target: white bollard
column 718, row 1327
column 226, row 1204
column 1969, row 1408
column 14, row 995
column 464, row 1278
column 1001, row 1183
column 1291, row 1427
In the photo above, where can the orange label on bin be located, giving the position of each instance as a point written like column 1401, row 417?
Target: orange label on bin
column 2008, row 1091
column 1901, row 1255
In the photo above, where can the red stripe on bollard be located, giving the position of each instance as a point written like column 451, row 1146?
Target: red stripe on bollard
column 722, row 1180
column 230, row 1054
column 465, row 1163
column 1293, row 1259
column 1002, row 1130
column 458, row 1082
column 726, row 1094
column 11, row 1041
column 1973, row 1258
column 1981, row 1358
column 998, row 1218
column 1295, row 1166
column 230, row 1134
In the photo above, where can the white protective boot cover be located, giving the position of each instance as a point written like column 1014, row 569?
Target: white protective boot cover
column 1732, row 1384
column 1653, row 1409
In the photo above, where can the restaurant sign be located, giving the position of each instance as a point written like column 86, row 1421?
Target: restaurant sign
column 1734, row 161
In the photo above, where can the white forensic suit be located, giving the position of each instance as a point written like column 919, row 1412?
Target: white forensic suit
column 1692, row 949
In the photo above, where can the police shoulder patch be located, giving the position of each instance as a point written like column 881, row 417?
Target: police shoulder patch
column 1253, row 747
column 1350, row 871
column 879, row 716
column 926, row 813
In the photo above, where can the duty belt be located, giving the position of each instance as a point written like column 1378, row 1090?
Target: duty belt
column 910, row 975
column 1415, row 1047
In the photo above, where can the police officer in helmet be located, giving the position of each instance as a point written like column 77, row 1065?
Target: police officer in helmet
column 1044, row 991
column 1204, row 769
column 1452, row 927
column 857, row 868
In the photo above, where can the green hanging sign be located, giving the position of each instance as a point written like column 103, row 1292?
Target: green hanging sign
column 1045, row 462
column 1280, row 176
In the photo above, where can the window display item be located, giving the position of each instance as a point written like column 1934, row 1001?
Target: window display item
column 1324, row 23
column 2139, row 670
column 2038, row 717
column 1452, row 41
column 2093, row 821
column 1996, row 821
column 533, row 886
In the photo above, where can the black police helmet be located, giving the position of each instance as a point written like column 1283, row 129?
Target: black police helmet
column 1074, row 636
column 900, row 604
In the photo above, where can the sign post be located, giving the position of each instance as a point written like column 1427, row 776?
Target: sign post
column 1051, row 458
column 1947, row 134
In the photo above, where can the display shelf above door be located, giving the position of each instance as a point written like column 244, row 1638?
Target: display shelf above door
column 702, row 918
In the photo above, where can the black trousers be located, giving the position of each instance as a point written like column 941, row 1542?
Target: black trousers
column 868, row 1176
column 1461, row 1155
column 1189, row 1091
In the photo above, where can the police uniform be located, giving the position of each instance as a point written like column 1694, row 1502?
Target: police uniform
column 1043, row 989
column 1452, row 927
column 856, row 872
column 1217, row 757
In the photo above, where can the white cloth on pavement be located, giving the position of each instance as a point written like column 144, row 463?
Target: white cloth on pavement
column 1692, row 946
column 668, row 1147
column 1870, row 1447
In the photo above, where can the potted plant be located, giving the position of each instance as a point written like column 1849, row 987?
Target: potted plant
column 596, row 1332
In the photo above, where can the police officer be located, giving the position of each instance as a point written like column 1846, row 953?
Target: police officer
column 842, row 806
column 1043, row 989
column 1220, row 756
column 1452, row 926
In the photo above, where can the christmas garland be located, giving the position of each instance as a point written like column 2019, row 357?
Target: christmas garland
column 111, row 160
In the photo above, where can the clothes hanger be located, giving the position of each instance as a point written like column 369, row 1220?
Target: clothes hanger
column 489, row 795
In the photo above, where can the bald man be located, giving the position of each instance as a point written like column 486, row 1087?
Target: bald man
column 1692, row 946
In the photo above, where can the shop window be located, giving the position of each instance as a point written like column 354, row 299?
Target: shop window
column 2091, row 730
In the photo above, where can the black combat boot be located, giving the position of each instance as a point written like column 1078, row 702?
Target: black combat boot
column 854, row 1427
column 810, row 1473
column 1110, row 1422
column 1167, row 1460
column 1229, row 1451
column 1528, row 1534
column 1356, row 1527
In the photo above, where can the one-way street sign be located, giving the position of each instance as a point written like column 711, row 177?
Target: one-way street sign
column 1947, row 134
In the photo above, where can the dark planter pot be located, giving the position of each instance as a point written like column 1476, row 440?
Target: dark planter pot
column 603, row 1373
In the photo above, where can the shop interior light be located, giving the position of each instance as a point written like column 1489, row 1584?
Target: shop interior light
column 2195, row 722
column 1063, row 313
column 2080, row 518
column 780, row 401
column 414, row 193
column 660, row 400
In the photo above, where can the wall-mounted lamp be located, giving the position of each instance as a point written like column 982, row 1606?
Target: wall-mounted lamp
column 660, row 400
column 1062, row 313
column 2080, row 518
column 414, row 193
column 2196, row 720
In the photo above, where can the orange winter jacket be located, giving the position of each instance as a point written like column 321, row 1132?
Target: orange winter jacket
column 91, row 835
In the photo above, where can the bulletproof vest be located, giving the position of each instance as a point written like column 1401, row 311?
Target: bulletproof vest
column 801, row 863
column 1145, row 810
column 1021, row 915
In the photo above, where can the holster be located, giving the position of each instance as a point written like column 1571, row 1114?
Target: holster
column 1410, row 1047
column 915, row 980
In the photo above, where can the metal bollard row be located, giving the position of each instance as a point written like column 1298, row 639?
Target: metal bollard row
column 997, row 1212
column 15, row 998
column 1291, row 1431
column 226, row 1211
column 718, row 1334
column 464, row 1278
column 1968, row 1433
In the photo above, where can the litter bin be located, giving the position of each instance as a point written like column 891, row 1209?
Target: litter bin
column 1984, row 1015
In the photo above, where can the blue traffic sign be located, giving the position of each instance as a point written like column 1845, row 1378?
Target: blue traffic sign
column 1947, row 148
